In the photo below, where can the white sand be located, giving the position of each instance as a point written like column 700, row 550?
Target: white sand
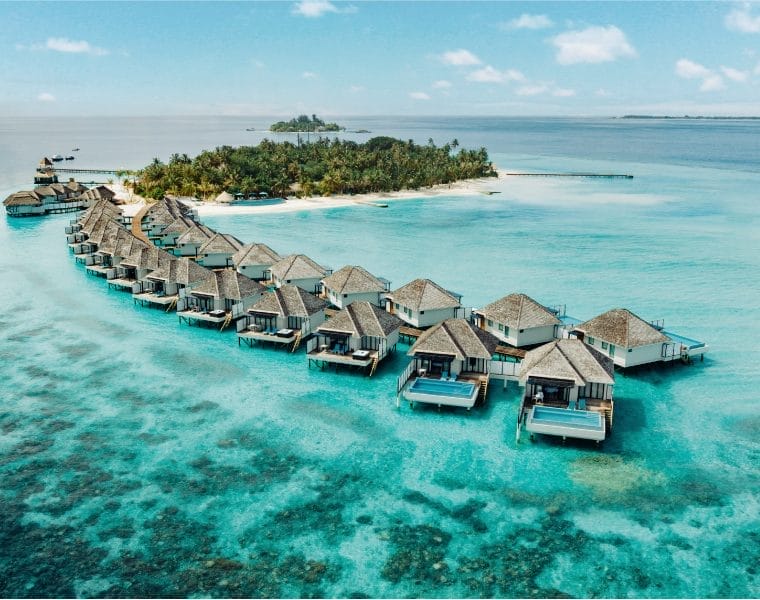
column 469, row 187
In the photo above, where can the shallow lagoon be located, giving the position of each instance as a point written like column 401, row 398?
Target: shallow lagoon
column 141, row 457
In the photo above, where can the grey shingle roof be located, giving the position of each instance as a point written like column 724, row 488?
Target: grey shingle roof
column 456, row 337
column 229, row 284
column 255, row 255
column 621, row 327
column 221, row 243
column 353, row 280
column 519, row 311
column 183, row 271
column 151, row 258
column 289, row 301
column 569, row 359
column 297, row 266
column 423, row 294
column 179, row 226
column 199, row 234
column 362, row 318
column 23, row 199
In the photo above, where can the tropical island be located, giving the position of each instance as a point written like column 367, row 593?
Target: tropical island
column 303, row 124
column 323, row 167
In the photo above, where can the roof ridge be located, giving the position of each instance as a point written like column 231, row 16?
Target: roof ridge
column 453, row 338
column 570, row 363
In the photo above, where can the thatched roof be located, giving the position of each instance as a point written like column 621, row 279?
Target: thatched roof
column 50, row 190
column 353, row 280
column 150, row 257
column 229, row 285
column 221, row 243
column 519, row 311
column 224, row 197
column 126, row 245
column 100, row 192
column 78, row 188
column 568, row 359
column 179, row 226
column 423, row 294
column 23, row 199
column 289, row 301
column 98, row 208
column 197, row 234
column 360, row 319
column 98, row 228
column 183, row 271
column 458, row 338
column 255, row 255
column 297, row 266
column 113, row 235
column 621, row 327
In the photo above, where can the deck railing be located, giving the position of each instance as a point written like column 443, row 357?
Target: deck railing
column 405, row 376
column 503, row 368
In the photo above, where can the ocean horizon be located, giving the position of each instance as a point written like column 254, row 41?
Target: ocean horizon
column 141, row 457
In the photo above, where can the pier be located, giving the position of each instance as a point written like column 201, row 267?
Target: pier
column 587, row 175
column 92, row 171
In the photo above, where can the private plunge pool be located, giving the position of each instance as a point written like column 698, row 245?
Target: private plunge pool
column 565, row 422
column 442, row 393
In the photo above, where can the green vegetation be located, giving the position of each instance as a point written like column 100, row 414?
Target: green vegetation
column 324, row 167
column 304, row 124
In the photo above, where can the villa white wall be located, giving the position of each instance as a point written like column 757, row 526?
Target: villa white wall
column 187, row 249
column 309, row 284
column 254, row 271
column 641, row 355
column 215, row 261
column 341, row 302
column 430, row 317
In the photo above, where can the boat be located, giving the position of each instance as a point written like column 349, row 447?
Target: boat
column 250, row 129
column 75, row 149
column 57, row 158
column 69, row 158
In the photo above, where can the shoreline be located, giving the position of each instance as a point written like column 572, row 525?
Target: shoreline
column 466, row 187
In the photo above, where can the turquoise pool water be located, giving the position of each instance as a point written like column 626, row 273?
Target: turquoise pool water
column 141, row 457
column 688, row 342
column 459, row 389
column 574, row 418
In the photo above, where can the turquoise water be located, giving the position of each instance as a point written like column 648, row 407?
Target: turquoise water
column 142, row 457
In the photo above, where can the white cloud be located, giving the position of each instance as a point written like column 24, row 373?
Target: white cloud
column 419, row 96
column 757, row 69
column 460, row 58
column 46, row 97
column 355, row 89
column 688, row 69
column 490, row 75
column 735, row 74
column 526, row 21
column 712, row 83
column 532, row 90
column 592, row 45
column 742, row 19
column 75, row 47
column 308, row 75
column 441, row 84
column 313, row 8
column 563, row 93
column 602, row 93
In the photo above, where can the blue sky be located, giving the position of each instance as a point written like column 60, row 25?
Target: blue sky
column 379, row 58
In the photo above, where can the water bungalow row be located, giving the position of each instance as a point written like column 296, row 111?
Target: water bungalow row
column 53, row 198
column 353, row 319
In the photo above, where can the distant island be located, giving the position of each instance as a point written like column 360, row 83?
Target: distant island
column 304, row 124
column 713, row 118
column 323, row 167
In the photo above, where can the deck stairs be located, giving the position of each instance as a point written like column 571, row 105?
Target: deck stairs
column 373, row 366
column 227, row 321
column 483, row 390
column 608, row 414
column 172, row 305
column 297, row 341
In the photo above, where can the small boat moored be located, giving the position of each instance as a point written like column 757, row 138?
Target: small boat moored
column 57, row 158
column 69, row 158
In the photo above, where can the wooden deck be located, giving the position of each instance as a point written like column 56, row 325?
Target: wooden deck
column 409, row 334
column 137, row 224
column 518, row 353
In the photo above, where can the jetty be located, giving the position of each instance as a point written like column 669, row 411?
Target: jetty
column 587, row 175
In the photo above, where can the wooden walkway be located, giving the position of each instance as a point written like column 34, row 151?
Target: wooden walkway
column 509, row 351
column 599, row 175
column 408, row 334
column 137, row 224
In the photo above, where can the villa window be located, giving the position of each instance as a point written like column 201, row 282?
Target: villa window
column 506, row 330
column 630, row 349
column 490, row 323
column 604, row 345
column 395, row 305
column 501, row 327
column 590, row 341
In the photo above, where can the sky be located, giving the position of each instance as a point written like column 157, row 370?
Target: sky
column 379, row 58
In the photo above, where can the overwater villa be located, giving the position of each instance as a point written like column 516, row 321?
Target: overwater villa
column 518, row 320
column 568, row 391
column 283, row 316
column 631, row 341
column 190, row 242
column 450, row 365
column 352, row 284
column 219, row 299
column 422, row 303
column 136, row 266
column 161, row 287
column 78, row 229
column 253, row 260
column 359, row 336
column 46, row 199
column 116, row 243
column 300, row 270
column 168, row 236
column 217, row 251
column 92, row 234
